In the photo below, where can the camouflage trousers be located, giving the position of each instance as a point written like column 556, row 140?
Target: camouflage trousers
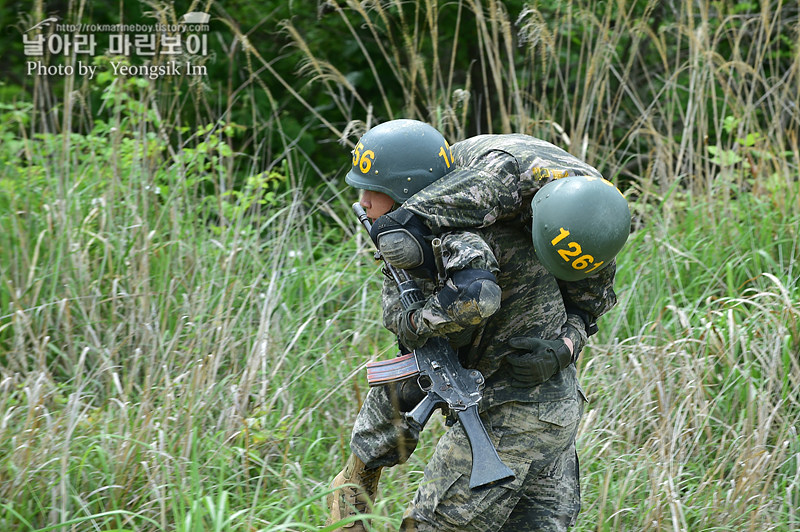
column 536, row 440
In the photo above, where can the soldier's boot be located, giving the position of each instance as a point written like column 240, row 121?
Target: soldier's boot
column 353, row 500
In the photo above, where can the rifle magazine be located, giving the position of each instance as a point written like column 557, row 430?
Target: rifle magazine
column 394, row 370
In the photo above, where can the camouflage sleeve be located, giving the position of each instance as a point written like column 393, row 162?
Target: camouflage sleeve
column 494, row 179
column 591, row 297
column 575, row 330
column 473, row 196
column 390, row 302
column 462, row 251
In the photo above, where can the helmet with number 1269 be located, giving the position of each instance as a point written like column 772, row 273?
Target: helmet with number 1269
column 580, row 223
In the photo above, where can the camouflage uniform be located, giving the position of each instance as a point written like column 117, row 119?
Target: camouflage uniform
column 495, row 178
column 532, row 428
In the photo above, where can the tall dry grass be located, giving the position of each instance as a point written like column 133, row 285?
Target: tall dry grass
column 178, row 357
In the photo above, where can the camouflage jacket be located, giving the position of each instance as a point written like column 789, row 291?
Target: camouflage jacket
column 531, row 305
column 495, row 177
column 489, row 192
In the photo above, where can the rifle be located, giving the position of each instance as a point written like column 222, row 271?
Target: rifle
column 445, row 382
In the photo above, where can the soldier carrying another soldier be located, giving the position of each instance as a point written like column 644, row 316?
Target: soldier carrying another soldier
column 529, row 234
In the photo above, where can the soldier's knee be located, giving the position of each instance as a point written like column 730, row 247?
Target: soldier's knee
column 470, row 296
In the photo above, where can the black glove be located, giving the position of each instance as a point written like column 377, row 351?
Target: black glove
column 405, row 394
column 406, row 331
column 540, row 360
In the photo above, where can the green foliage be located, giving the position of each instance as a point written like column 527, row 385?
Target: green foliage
column 707, row 335
column 186, row 306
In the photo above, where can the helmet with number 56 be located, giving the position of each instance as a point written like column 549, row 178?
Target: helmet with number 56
column 399, row 158
column 580, row 223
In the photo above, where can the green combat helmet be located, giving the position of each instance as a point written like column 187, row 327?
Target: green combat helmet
column 399, row 158
column 579, row 225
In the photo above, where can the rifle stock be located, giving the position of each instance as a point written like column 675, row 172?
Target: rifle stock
column 487, row 468
column 446, row 383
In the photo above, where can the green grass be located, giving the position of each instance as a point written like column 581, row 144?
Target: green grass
column 184, row 328
column 694, row 378
column 164, row 373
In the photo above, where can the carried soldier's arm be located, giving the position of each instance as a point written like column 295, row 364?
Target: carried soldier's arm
column 586, row 300
column 493, row 182
column 468, row 296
